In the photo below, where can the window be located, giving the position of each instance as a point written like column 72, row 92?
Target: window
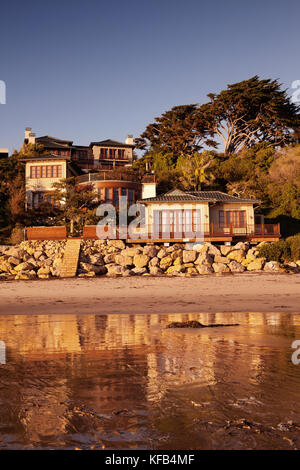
column 107, row 195
column 103, row 153
column 121, row 154
column 116, row 196
column 46, row 171
column 235, row 219
column 112, row 153
column 130, row 196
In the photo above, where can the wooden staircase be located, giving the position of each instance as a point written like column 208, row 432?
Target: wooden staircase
column 70, row 259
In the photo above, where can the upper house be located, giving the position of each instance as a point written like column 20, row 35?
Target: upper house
column 205, row 215
column 104, row 154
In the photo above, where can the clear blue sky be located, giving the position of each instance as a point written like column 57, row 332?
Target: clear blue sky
column 96, row 69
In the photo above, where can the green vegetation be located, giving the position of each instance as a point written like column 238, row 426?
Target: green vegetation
column 283, row 250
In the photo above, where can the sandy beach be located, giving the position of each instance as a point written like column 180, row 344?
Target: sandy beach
column 238, row 293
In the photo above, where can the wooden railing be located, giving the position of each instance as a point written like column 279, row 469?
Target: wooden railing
column 46, row 233
column 166, row 231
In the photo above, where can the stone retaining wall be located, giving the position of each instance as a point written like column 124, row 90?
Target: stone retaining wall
column 43, row 259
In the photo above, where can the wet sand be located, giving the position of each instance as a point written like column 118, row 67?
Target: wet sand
column 239, row 293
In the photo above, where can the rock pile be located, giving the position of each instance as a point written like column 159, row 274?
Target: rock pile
column 43, row 259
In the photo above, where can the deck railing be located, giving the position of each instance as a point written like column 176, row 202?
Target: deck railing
column 204, row 231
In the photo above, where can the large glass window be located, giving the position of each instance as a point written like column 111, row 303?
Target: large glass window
column 235, row 219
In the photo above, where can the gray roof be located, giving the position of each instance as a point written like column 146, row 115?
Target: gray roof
column 197, row 196
column 111, row 143
column 47, row 156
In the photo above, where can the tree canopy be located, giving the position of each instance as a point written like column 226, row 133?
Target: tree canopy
column 180, row 131
column 249, row 112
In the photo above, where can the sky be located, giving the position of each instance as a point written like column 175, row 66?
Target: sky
column 88, row 70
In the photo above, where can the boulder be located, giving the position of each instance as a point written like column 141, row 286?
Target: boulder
column 177, row 254
column 154, row 262
column 220, row 268
column 237, row 255
column 14, row 261
column 89, row 274
column 92, row 268
column 37, row 254
column 155, row 270
column 177, row 261
column 213, row 250
column 204, row 269
column 166, row 262
column 124, row 260
column 192, row 270
column 178, row 268
column 256, row 265
column 25, row 276
column 162, row 253
column 116, row 244
column 140, row 261
column 189, row 256
column 241, row 246
column 131, row 251
column 96, row 259
column 236, row 267
column 150, row 250
column 110, row 258
column 115, row 270
column 139, row 271
column 273, row 266
column 23, row 267
column 221, row 259
column 225, row 249
column 44, row 270
column 204, row 259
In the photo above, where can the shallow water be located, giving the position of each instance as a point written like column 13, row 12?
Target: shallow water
column 125, row 381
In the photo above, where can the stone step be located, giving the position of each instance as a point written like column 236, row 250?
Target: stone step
column 70, row 259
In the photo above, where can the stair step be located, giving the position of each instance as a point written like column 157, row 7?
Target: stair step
column 70, row 259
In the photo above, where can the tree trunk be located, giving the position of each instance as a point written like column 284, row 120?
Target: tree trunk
column 71, row 226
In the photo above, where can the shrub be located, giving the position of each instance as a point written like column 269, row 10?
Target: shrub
column 278, row 251
column 17, row 234
column 294, row 243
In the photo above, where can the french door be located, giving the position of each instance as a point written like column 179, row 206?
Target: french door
column 177, row 223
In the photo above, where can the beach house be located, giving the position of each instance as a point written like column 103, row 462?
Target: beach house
column 207, row 215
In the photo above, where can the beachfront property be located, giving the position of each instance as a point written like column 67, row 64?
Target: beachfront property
column 212, row 215
column 104, row 154
column 172, row 217
column 62, row 159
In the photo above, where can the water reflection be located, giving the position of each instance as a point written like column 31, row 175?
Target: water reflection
column 124, row 381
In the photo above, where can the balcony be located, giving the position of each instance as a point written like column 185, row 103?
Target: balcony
column 115, row 175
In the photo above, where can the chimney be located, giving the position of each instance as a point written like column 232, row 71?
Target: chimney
column 31, row 139
column 129, row 139
column 148, row 190
column 27, row 133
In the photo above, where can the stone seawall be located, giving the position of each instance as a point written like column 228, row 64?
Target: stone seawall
column 43, row 260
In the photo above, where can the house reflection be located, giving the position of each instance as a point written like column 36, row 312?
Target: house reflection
column 57, row 365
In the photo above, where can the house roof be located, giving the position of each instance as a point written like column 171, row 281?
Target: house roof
column 48, row 156
column 110, row 143
column 177, row 195
column 53, row 142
